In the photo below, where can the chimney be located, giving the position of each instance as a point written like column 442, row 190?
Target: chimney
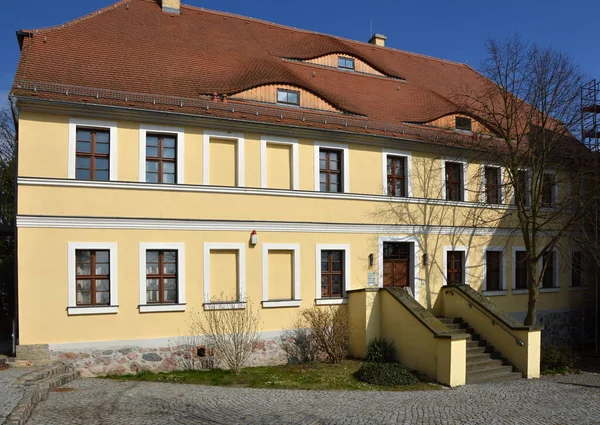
column 378, row 39
column 171, row 6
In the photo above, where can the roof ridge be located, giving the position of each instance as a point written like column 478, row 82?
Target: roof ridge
column 288, row 27
column 80, row 19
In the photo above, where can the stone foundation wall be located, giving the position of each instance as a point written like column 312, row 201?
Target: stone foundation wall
column 563, row 328
column 134, row 359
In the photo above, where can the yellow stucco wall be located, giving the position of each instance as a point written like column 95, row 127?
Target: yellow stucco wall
column 44, row 152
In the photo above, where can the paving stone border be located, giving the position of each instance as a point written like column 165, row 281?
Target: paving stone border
column 37, row 386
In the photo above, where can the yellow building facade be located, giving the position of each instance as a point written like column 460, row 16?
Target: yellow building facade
column 132, row 218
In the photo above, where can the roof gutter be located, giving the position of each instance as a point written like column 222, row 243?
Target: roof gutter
column 21, row 34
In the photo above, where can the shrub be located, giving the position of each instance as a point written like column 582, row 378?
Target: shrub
column 386, row 374
column 331, row 330
column 558, row 359
column 231, row 333
column 299, row 344
column 380, row 350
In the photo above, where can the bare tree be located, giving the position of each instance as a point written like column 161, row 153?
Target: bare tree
column 531, row 104
column 331, row 329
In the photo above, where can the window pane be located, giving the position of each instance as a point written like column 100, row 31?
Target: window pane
column 323, row 187
column 84, row 298
column 336, row 256
column 168, row 167
column 389, row 165
column 399, row 188
column 83, row 162
column 151, row 151
column 102, row 269
column 102, row 175
column 323, row 163
column 168, row 142
column 170, row 268
column 281, row 96
column 334, row 178
column 85, row 147
column 170, row 296
column 151, row 268
column 103, row 148
column 102, row 136
column 101, row 256
column 152, row 166
column 152, row 284
column 152, row 177
column 102, row 163
column 323, row 178
column 84, row 285
column 168, row 153
column 333, row 188
column 152, row 256
column 151, row 140
column 170, row 284
column 293, row 98
column 83, row 134
column 322, row 155
column 169, row 178
column 152, row 296
column 102, row 298
column 82, row 174
column 333, row 165
column 336, row 266
column 102, row 285
column 82, row 256
column 83, row 269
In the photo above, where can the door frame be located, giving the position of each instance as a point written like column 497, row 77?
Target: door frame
column 414, row 259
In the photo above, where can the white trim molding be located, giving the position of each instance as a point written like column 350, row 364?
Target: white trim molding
column 113, row 144
column 295, row 301
column 241, row 280
column 269, row 140
column 414, row 258
column 345, row 163
column 503, row 270
column 223, row 135
column 72, row 308
column 347, row 278
column 180, row 148
column 444, row 160
column 408, row 170
column 465, row 251
column 176, row 246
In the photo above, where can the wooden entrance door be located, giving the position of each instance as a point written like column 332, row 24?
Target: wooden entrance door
column 396, row 264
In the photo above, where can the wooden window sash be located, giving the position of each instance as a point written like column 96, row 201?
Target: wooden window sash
column 492, row 185
column 455, row 275
column 493, row 270
column 328, row 172
column 454, row 181
column 160, row 159
column 92, row 277
column 93, row 154
column 521, row 272
column 547, row 190
column 393, row 178
column 548, row 266
column 330, row 273
column 161, row 276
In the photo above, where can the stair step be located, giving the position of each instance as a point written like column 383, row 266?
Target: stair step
column 471, row 344
column 476, row 350
column 450, row 320
column 489, row 371
column 479, row 357
column 485, row 364
column 504, row 376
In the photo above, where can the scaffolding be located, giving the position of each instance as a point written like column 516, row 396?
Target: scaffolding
column 590, row 136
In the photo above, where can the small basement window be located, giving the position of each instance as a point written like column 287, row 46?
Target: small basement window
column 345, row 62
column 289, row 97
column 463, row 123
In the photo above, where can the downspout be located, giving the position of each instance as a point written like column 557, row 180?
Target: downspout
column 15, row 320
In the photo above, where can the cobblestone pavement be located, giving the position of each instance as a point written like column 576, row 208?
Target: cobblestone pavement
column 10, row 391
column 558, row 400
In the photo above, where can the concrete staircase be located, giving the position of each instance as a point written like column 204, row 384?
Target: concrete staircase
column 484, row 363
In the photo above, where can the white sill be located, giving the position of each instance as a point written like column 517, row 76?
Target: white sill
column 520, row 291
column 150, row 308
column 542, row 290
column 578, row 288
column 281, row 303
column 75, row 311
column 225, row 306
column 493, row 293
column 331, row 301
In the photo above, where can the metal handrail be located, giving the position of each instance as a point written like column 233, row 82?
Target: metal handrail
column 472, row 303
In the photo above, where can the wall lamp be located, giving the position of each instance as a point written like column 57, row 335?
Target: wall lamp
column 253, row 238
column 425, row 259
column 371, row 260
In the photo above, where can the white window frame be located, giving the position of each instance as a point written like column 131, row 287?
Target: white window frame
column 223, row 135
column 414, row 256
column 483, row 183
column 502, row 290
column 407, row 179
column 347, row 281
column 275, row 140
column 72, row 307
column 444, row 160
column 295, row 301
column 113, row 144
column 555, row 275
column 345, row 164
column 570, row 269
column 465, row 251
column 240, row 303
column 175, row 131
column 162, row 246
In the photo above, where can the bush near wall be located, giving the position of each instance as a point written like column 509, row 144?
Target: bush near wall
column 558, row 359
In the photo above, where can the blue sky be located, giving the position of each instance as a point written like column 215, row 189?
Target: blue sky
column 455, row 30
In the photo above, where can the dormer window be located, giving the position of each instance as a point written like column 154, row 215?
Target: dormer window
column 463, row 123
column 345, row 63
column 288, row 97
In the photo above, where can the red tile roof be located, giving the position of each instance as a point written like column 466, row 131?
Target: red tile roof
column 134, row 47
